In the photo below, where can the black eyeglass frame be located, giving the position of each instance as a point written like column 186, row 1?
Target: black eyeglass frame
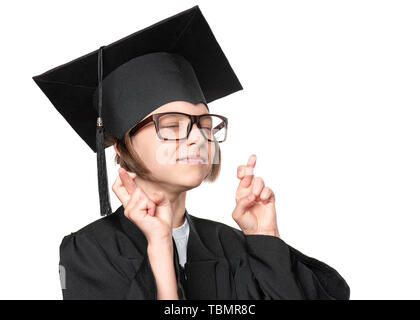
column 193, row 119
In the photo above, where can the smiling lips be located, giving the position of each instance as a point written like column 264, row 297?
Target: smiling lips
column 196, row 160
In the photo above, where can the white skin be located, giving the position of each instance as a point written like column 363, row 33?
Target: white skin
column 158, row 206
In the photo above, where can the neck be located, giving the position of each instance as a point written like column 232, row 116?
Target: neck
column 176, row 198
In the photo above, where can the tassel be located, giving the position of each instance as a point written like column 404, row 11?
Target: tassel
column 100, row 149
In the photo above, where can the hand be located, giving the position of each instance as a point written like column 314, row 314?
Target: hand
column 152, row 214
column 255, row 212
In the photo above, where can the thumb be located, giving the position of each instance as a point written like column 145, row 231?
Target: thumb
column 242, row 205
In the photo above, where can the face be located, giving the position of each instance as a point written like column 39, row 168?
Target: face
column 163, row 158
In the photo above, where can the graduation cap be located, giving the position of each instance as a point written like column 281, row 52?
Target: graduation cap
column 112, row 88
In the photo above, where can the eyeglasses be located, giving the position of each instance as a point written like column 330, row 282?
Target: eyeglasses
column 175, row 126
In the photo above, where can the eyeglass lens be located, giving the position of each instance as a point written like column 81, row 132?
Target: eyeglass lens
column 175, row 126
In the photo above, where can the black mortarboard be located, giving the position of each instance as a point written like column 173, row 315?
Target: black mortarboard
column 111, row 89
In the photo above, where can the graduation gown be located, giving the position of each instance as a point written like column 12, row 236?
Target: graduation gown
column 107, row 259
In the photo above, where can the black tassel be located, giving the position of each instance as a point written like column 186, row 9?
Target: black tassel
column 100, row 149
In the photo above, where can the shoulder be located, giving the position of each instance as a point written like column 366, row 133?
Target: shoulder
column 107, row 224
column 224, row 239
column 99, row 228
column 215, row 227
column 105, row 234
column 231, row 242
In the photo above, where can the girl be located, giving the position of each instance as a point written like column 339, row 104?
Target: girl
column 148, row 95
column 152, row 248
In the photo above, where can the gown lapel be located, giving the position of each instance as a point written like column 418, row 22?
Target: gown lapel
column 208, row 275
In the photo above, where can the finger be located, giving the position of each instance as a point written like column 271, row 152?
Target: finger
column 248, row 174
column 151, row 208
column 132, row 209
column 266, row 194
column 147, row 206
column 240, row 171
column 244, row 169
column 127, row 181
column 121, row 194
column 242, row 205
column 120, row 191
column 140, row 205
column 257, row 186
column 157, row 197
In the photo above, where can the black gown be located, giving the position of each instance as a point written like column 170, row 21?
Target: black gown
column 107, row 259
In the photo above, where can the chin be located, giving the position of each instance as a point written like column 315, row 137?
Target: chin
column 190, row 178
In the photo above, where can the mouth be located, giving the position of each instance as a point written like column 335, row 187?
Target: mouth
column 192, row 160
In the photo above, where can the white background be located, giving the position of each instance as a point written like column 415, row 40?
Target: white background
column 330, row 107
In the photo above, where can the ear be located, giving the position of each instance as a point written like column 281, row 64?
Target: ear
column 115, row 148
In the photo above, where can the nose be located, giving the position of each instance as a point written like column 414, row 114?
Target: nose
column 196, row 135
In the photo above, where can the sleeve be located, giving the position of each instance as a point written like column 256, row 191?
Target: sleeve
column 275, row 270
column 87, row 273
